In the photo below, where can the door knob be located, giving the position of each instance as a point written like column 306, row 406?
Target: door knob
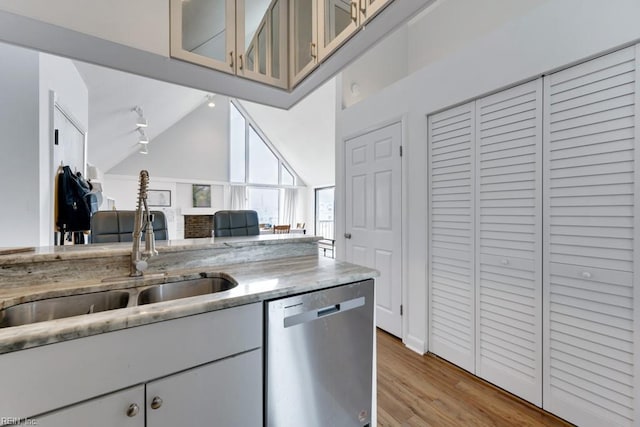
column 156, row 403
column 347, row 235
column 133, row 410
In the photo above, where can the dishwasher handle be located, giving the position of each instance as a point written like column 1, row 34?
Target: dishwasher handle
column 329, row 310
column 309, row 316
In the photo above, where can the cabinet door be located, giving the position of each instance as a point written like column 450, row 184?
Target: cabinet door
column 369, row 8
column 303, row 38
column 203, row 32
column 451, row 240
column 509, row 240
column 121, row 409
column 226, row 393
column 591, row 244
column 262, row 41
column 338, row 19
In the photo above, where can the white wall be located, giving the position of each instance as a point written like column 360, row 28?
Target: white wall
column 452, row 24
column 143, row 24
column 196, row 148
column 552, row 35
column 386, row 63
column 26, row 79
column 19, row 173
column 60, row 76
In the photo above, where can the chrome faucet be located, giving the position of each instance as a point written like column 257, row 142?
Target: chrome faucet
column 143, row 221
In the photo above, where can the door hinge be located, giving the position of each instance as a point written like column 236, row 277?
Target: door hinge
column 401, row 151
column 401, row 310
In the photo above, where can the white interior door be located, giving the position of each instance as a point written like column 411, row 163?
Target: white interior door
column 508, row 240
column 451, row 236
column 373, row 228
column 591, row 245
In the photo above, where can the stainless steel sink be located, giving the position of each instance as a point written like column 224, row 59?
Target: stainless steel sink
column 186, row 288
column 61, row 307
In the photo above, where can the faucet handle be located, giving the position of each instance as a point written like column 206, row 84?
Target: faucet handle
column 142, row 265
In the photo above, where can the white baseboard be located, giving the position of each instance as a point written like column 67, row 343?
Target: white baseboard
column 414, row 344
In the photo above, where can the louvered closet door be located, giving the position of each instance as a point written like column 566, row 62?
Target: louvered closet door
column 451, row 331
column 591, row 245
column 508, row 240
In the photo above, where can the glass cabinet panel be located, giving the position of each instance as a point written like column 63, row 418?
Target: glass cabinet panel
column 368, row 8
column 303, row 37
column 258, row 38
column 339, row 20
column 203, row 31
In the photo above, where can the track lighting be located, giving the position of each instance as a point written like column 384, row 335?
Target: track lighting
column 210, row 101
column 144, row 139
column 141, row 122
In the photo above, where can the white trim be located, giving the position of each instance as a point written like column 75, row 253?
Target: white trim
column 250, row 122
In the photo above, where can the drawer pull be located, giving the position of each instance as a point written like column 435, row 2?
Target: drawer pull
column 505, row 261
column 133, row 410
column 156, row 403
column 586, row 275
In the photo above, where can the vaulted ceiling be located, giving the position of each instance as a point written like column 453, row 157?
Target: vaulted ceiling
column 112, row 123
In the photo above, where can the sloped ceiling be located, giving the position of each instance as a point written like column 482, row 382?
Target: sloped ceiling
column 305, row 134
column 113, row 94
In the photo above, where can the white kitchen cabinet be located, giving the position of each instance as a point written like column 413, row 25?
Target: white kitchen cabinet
column 203, row 32
column 451, row 236
column 243, row 37
column 226, row 393
column 303, row 42
column 591, row 242
column 338, row 20
column 261, row 41
column 121, row 409
column 369, row 8
column 508, row 240
column 67, row 374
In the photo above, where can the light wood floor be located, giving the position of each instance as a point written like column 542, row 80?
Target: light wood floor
column 416, row 390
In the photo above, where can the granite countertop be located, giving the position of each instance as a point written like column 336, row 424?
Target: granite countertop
column 257, row 281
column 10, row 256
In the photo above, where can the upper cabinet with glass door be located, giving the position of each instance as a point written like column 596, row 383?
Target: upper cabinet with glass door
column 369, row 8
column 262, row 40
column 339, row 19
column 244, row 37
column 303, row 19
column 203, row 32
column 277, row 42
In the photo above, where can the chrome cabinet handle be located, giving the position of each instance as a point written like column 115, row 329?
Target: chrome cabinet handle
column 314, row 55
column 347, row 235
column 231, row 56
column 156, row 403
column 133, row 410
column 240, row 62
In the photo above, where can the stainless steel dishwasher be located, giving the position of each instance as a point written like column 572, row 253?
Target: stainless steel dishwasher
column 319, row 349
